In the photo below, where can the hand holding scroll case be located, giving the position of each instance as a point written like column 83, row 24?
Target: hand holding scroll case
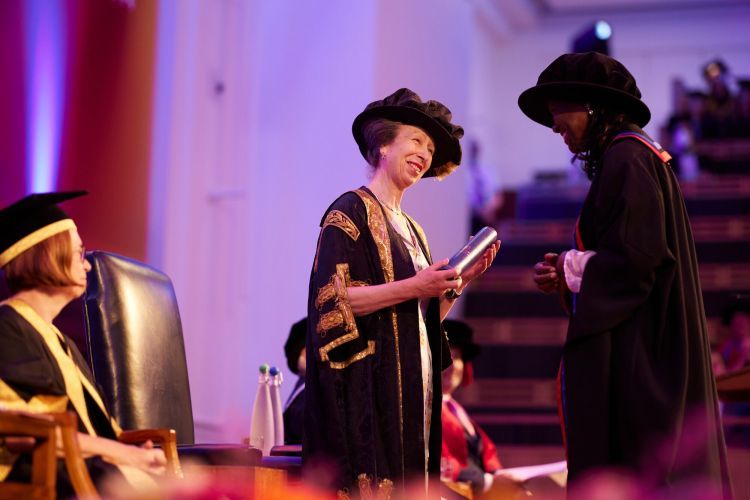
column 476, row 256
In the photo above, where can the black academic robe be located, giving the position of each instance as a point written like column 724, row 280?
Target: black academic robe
column 28, row 370
column 638, row 390
column 294, row 414
column 364, row 400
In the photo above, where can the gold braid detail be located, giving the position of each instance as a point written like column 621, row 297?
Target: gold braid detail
column 370, row 349
column 326, row 293
column 379, row 228
column 341, row 315
column 328, row 321
column 422, row 237
column 365, row 489
column 339, row 219
column 385, row 489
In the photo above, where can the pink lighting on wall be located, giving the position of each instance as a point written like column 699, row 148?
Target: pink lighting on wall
column 45, row 83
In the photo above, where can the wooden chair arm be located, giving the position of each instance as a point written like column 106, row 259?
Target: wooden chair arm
column 165, row 438
column 79, row 474
column 37, row 435
column 19, row 431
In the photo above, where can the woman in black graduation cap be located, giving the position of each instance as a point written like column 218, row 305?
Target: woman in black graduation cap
column 636, row 386
column 41, row 370
column 375, row 348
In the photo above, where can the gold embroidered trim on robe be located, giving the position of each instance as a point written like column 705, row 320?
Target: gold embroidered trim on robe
column 379, row 228
column 365, row 490
column 342, row 221
column 326, row 293
column 370, row 349
column 364, row 484
column 422, row 237
column 339, row 219
column 385, row 489
column 343, row 494
column 328, row 321
column 342, row 315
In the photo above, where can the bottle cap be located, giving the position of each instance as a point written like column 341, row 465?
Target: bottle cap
column 263, row 368
column 273, row 371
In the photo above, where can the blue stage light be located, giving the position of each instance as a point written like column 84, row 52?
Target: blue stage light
column 603, row 30
column 593, row 38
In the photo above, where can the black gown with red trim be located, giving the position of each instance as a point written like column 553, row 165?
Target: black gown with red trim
column 364, row 420
column 638, row 389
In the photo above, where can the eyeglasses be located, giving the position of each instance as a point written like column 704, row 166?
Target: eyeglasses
column 82, row 256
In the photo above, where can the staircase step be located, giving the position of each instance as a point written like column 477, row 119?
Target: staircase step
column 713, row 276
column 560, row 232
column 518, row 331
column 533, row 304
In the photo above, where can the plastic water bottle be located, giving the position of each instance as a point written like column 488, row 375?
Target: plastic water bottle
column 278, row 415
column 261, row 425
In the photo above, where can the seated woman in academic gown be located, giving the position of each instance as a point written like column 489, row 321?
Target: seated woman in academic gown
column 41, row 370
column 468, row 455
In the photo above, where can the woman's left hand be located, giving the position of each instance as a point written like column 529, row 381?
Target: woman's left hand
column 481, row 265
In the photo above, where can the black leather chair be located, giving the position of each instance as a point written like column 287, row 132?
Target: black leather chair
column 136, row 349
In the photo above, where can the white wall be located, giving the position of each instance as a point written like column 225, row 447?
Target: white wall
column 241, row 179
column 655, row 46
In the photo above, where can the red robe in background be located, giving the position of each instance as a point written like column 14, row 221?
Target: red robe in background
column 455, row 455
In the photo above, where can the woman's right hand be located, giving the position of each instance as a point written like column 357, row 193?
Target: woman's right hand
column 433, row 282
column 146, row 457
column 545, row 273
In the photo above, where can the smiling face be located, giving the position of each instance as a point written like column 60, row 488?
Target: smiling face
column 406, row 159
column 571, row 121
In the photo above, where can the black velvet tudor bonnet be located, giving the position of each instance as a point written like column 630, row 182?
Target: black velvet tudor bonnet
column 585, row 78
column 405, row 106
column 295, row 343
column 460, row 335
column 32, row 220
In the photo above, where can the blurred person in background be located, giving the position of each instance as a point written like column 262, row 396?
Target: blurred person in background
column 468, row 453
column 735, row 350
column 296, row 360
column 721, row 114
column 482, row 190
column 735, row 355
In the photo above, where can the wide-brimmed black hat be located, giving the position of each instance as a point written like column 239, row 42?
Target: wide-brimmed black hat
column 736, row 303
column 32, row 220
column 295, row 343
column 405, row 106
column 585, row 78
column 460, row 335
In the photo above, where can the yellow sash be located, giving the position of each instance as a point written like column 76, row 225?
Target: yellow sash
column 75, row 381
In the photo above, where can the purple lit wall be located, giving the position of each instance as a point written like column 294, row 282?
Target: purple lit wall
column 45, row 77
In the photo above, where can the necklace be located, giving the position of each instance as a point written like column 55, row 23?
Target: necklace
column 395, row 211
